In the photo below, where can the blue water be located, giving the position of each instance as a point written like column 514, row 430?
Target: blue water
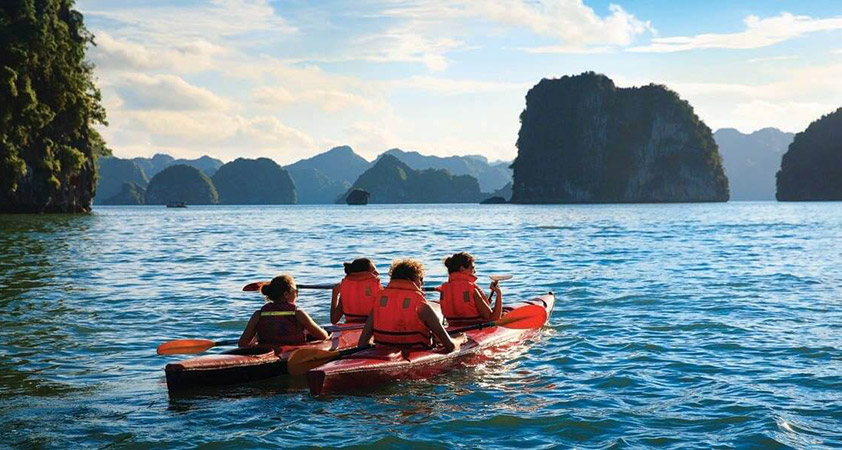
column 708, row 325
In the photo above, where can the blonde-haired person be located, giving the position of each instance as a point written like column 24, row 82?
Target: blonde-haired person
column 462, row 301
column 279, row 321
column 401, row 317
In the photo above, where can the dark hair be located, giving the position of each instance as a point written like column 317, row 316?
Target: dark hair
column 359, row 265
column 279, row 286
column 406, row 269
column 458, row 261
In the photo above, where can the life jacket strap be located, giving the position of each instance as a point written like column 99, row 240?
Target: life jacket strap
column 277, row 313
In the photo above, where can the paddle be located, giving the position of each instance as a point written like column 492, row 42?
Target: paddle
column 255, row 286
column 524, row 317
column 191, row 346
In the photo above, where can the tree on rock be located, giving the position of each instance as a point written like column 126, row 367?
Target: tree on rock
column 254, row 182
column 49, row 106
column 811, row 169
column 181, row 183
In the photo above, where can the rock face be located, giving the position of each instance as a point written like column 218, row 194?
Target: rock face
column 490, row 176
column 811, row 170
column 254, row 182
column 583, row 140
column 751, row 160
column 49, row 109
column 130, row 194
column 181, row 183
column 116, row 172
column 392, row 181
column 357, row 197
column 324, row 177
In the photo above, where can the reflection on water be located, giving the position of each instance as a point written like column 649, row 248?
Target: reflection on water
column 707, row 325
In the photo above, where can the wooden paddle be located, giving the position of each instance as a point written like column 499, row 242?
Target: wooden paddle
column 524, row 317
column 191, row 346
column 255, row 286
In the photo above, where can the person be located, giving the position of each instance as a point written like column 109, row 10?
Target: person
column 354, row 296
column 401, row 317
column 279, row 321
column 462, row 301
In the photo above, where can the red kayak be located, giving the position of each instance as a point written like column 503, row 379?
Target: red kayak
column 243, row 365
column 380, row 365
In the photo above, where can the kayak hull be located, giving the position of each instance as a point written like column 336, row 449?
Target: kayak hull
column 380, row 365
column 243, row 365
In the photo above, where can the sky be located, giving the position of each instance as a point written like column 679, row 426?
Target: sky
column 290, row 79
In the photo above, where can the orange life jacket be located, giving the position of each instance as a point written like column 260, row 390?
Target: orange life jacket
column 395, row 316
column 278, row 325
column 458, row 296
column 358, row 292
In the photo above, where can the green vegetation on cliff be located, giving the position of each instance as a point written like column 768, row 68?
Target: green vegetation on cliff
column 583, row 140
column 181, row 183
column 812, row 167
column 490, row 176
column 48, row 108
column 392, row 181
column 254, row 182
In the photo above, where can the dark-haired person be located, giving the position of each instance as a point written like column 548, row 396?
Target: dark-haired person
column 462, row 301
column 279, row 321
column 401, row 317
column 354, row 296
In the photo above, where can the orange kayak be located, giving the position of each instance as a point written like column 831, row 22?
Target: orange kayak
column 379, row 365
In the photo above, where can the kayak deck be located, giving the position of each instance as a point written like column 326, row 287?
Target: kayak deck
column 243, row 365
column 380, row 365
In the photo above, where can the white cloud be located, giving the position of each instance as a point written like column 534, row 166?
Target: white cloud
column 772, row 58
column 164, row 92
column 758, row 33
column 455, row 87
column 115, row 54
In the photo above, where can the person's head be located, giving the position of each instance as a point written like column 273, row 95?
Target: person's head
column 407, row 269
column 280, row 289
column 360, row 265
column 460, row 262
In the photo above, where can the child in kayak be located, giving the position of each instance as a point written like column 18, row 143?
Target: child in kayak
column 462, row 301
column 280, row 322
column 355, row 295
column 401, row 317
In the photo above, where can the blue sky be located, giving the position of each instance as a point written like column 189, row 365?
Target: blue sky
column 290, row 79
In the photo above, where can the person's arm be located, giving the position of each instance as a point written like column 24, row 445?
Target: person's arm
column 312, row 327
column 482, row 305
column 498, row 306
column 336, row 312
column 250, row 332
column 368, row 330
column 431, row 319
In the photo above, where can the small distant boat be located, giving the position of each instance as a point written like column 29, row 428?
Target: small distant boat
column 357, row 197
column 176, row 205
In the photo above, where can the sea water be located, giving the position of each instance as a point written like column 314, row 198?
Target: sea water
column 680, row 325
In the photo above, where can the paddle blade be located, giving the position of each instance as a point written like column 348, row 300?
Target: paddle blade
column 304, row 359
column 185, row 346
column 251, row 287
column 501, row 277
column 525, row 317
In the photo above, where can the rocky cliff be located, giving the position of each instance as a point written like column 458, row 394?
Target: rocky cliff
column 181, row 183
column 116, row 172
column 490, row 176
column 392, row 181
column 254, row 182
column 583, row 140
column 322, row 178
column 751, row 160
column 811, row 169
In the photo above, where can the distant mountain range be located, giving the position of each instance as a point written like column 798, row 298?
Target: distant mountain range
column 751, row 160
column 322, row 179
